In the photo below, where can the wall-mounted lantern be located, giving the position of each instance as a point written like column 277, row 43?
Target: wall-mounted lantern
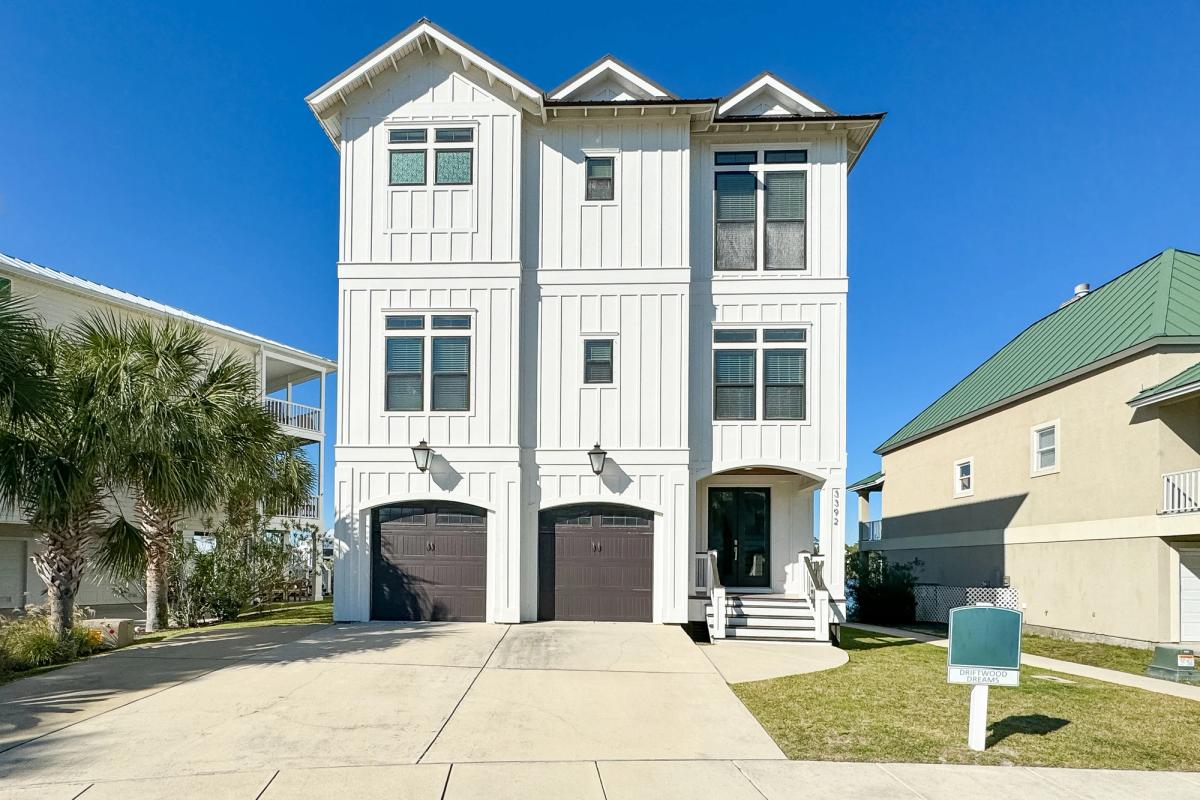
column 422, row 455
column 597, row 456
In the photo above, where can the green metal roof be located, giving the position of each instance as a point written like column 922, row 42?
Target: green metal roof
column 870, row 480
column 1181, row 381
column 1157, row 298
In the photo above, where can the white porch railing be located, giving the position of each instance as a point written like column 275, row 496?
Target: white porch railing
column 716, row 596
column 870, row 531
column 293, row 415
column 818, row 594
column 309, row 509
column 1181, row 492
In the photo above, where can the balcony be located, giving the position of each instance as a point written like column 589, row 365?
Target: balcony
column 1181, row 492
column 309, row 509
column 870, row 531
column 294, row 415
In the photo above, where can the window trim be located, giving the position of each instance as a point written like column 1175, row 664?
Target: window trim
column 1034, row 470
column 759, row 169
column 431, row 147
column 429, row 333
column 970, row 490
column 759, row 346
column 612, row 356
column 470, row 151
column 599, row 152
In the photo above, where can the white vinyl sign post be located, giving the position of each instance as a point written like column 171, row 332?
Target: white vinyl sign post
column 985, row 650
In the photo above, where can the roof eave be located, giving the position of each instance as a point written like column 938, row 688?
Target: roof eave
column 1176, row 393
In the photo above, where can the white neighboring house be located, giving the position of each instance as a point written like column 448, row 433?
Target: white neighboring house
column 286, row 374
column 587, row 336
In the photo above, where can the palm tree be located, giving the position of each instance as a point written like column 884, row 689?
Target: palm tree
column 175, row 400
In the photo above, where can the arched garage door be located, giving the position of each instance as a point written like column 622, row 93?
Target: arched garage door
column 429, row 562
column 595, row 562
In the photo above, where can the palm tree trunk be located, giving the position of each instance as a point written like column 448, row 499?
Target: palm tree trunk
column 157, row 527
column 60, row 564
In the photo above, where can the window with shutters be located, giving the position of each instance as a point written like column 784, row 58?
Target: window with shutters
column 760, row 209
column 760, row 373
column 597, row 360
column 428, row 362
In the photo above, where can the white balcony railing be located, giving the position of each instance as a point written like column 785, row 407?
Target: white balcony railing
column 1181, row 492
column 309, row 509
column 870, row 530
column 293, row 415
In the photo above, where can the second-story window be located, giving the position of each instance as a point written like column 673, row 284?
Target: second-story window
column 1044, row 448
column 964, row 477
column 428, row 362
column 598, row 361
column 760, row 210
column 742, row 355
column 453, row 156
column 599, row 171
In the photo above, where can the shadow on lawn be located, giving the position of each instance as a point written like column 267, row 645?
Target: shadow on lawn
column 863, row 640
column 1036, row 724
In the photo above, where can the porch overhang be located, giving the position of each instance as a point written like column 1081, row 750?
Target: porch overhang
column 1178, row 387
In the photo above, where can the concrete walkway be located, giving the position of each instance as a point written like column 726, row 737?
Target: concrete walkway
column 1186, row 691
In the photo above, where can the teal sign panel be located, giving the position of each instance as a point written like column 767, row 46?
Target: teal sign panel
column 985, row 645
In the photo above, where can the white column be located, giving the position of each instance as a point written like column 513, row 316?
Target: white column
column 833, row 535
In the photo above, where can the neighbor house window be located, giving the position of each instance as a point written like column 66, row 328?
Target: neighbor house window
column 599, row 177
column 760, row 210
column 453, row 156
column 964, row 477
column 428, row 362
column 598, row 361
column 778, row 355
column 1044, row 448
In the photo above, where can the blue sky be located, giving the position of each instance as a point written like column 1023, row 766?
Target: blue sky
column 167, row 150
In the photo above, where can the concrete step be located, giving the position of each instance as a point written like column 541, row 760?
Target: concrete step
column 768, row 634
column 770, row 611
column 771, row 622
column 750, row 601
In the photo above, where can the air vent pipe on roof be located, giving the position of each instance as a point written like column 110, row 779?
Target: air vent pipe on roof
column 1081, row 290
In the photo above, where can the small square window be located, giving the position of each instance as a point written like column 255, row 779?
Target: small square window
column 599, row 178
column 735, row 159
column 453, row 167
column 407, row 168
column 598, row 361
column 454, row 135
column 408, row 136
column 785, row 157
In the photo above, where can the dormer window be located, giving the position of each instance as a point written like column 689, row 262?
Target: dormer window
column 760, row 207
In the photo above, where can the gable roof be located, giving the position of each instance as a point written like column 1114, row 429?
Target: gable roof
column 423, row 35
column 612, row 66
column 872, row 481
column 804, row 104
column 77, row 285
column 1157, row 299
column 1184, row 383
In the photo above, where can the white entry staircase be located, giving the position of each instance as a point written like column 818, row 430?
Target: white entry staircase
column 767, row 617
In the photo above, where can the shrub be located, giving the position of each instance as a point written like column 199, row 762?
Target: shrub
column 879, row 590
column 240, row 569
column 28, row 642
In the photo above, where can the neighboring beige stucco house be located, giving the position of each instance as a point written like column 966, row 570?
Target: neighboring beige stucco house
column 1066, row 466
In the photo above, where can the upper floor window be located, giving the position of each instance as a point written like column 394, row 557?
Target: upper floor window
column 964, row 477
column 760, row 210
column 598, row 361
column 453, row 156
column 599, row 185
column 1043, row 448
column 422, row 359
column 742, row 355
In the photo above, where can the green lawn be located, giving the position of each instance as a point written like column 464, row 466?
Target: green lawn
column 311, row 613
column 891, row 702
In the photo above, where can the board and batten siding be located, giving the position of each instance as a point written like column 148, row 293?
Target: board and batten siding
column 491, row 419
column 644, row 225
column 381, row 223
column 645, row 406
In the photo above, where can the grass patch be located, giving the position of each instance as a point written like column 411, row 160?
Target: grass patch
column 891, row 702
column 1110, row 656
column 311, row 613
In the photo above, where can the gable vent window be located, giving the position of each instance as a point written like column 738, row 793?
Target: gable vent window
column 598, row 361
column 599, row 178
column 736, row 220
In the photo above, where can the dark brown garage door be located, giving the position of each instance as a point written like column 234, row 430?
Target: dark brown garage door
column 595, row 563
column 429, row 562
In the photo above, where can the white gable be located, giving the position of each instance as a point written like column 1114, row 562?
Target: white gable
column 609, row 79
column 767, row 96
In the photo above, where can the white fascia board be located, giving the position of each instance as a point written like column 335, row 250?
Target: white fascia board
column 775, row 85
column 608, row 65
column 1161, row 397
column 384, row 55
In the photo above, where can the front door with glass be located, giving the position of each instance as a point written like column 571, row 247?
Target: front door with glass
column 739, row 529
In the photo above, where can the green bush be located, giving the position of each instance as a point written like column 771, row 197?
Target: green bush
column 879, row 590
column 219, row 583
column 28, row 642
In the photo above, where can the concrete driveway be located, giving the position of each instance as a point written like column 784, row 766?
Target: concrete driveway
column 241, row 707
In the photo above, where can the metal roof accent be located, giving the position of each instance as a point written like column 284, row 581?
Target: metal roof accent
column 870, row 482
column 77, row 285
column 1158, row 299
column 1184, row 383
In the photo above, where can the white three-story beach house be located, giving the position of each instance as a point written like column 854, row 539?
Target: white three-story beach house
column 592, row 348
